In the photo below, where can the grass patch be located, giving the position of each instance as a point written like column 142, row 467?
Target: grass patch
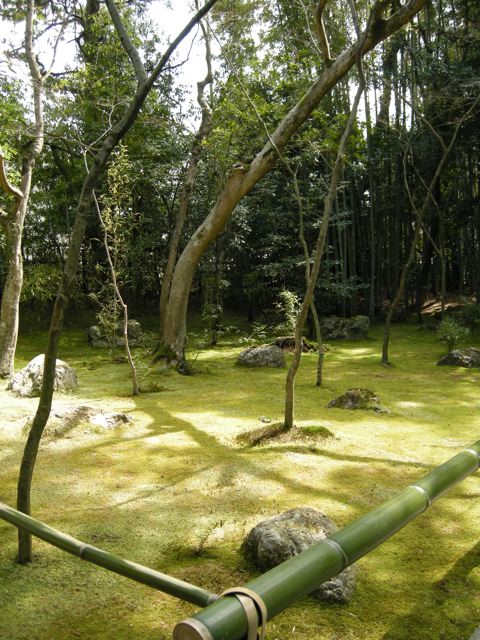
column 261, row 435
column 175, row 492
column 317, row 431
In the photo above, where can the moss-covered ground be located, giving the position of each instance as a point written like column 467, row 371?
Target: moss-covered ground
column 177, row 491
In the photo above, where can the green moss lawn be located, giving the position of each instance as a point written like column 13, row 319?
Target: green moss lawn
column 178, row 493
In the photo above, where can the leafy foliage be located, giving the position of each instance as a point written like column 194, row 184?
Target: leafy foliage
column 451, row 332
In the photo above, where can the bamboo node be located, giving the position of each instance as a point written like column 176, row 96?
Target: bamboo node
column 423, row 492
column 334, row 544
column 476, row 454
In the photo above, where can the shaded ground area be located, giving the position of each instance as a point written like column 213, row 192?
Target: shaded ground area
column 178, row 492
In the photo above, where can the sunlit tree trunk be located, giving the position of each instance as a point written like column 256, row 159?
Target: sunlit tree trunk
column 13, row 224
column 243, row 178
column 189, row 180
column 117, row 132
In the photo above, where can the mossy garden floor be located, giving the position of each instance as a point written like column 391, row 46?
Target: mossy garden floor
column 177, row 493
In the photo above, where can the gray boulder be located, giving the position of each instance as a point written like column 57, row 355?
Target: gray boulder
column 267, row 355
column 281, row 537
column 96, row 337
column 468, row 358
column 476, row 635
column 64, row 421
column 357, row 399
column 28, row 381
column 335, row 328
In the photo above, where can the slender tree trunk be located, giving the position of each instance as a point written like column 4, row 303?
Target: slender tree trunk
column 399, row 296
column 119, row 298
column 320, row 346
column 312, row 281
column 10, row 309
column 76, row 238
column 12, row 225
column 371, row 208
column 188, row 183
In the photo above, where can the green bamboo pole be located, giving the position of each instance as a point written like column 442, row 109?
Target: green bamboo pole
column 290, row 581
column 132, row 570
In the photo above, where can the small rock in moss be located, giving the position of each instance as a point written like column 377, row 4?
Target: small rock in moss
column 357, row 399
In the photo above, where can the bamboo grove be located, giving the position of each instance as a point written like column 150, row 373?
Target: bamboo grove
column 420, row 83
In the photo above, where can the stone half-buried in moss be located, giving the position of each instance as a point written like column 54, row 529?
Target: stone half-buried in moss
column 357, row 398
column 468, row 358
column 287, row 534
column 266, row 355
column 72, row 420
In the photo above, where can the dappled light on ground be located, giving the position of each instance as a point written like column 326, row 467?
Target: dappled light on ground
column 177, row 492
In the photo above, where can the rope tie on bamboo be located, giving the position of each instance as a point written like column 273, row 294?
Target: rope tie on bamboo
column 255, row 610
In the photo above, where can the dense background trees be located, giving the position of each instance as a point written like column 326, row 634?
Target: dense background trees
column 423, row 78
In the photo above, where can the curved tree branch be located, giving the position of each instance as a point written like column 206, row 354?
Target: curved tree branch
column 322, row 34
column 9, row 189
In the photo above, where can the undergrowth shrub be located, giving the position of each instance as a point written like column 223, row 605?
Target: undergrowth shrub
column 452, row 332
column 470, row 315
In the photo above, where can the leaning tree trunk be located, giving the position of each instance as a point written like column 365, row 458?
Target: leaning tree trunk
column 144, row 85
column 189, row 180
column 244, row 177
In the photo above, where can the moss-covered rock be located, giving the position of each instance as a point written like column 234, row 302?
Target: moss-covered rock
column 468, row 358
column 357, row 399
column 266, row 355
column 276, row 539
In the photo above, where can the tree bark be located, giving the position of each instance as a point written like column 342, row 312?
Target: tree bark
column 242, row 179
column 69, row 276
column 187, row 187
column 313, row 277
column 14, row 223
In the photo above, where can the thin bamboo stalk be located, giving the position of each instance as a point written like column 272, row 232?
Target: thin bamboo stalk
column 290, row 581
column 132, row 570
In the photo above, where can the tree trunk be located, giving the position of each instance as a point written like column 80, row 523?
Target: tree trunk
column 187, row 187
column 320, row 347
column 69, row 275
column 243, row 178
column 9, row 314
column 312, row 280
column 10, row 309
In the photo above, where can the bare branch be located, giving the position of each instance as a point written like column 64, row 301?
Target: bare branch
column 313, row 39
column 174, row 44
column 128, row 45
column 5, row 184
column 322, row 35
column 55, row 49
